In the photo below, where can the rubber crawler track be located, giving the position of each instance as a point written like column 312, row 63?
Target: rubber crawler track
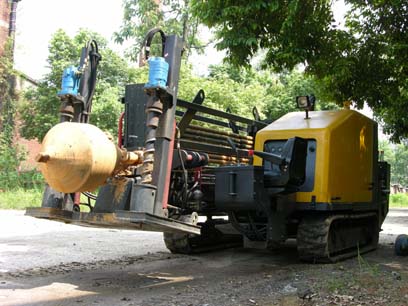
column 210, row 239
column 178, row 243
column 314, row 232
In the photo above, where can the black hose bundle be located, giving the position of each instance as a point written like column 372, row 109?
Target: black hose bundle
column 88, row 66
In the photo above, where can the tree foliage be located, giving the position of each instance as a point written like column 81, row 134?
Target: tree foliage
column 10, row 153
column 227, row 86
column 364, row 62
column 240, row 89
column 380, row 29
column 397, row 157
column 290, row 31
column 40, row 112
column 400, row 165
column 6, row 90
column 273, row 93
column 288, row 86
column 173, row 16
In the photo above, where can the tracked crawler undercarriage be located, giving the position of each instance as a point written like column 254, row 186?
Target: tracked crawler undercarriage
column 320, row 239
column 335, row 237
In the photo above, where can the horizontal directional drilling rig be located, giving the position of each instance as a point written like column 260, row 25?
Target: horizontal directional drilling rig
column 210, row 179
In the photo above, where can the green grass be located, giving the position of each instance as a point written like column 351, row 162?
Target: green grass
column 399, row 200
column 21, row 198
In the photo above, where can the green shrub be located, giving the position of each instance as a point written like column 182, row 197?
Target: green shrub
column 399, row 200
column 31, row 180
column 21, row 198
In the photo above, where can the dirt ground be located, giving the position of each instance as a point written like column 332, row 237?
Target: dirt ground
column 48, row 263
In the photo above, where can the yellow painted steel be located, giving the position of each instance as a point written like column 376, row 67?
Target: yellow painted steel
column 344, row 152
column 77, row 157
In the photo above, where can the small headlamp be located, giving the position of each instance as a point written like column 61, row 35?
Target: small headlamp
column 303, row 102
column 306, row 103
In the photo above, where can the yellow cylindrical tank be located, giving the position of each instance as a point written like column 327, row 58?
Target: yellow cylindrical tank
column 77, row 157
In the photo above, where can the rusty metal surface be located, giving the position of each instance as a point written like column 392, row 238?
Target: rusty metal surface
column 119, row 220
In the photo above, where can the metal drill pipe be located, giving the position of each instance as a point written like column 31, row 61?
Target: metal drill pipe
column 225, row 162
column 219, row 136
column 229, row 134
column 216, row 141
column 224, row 158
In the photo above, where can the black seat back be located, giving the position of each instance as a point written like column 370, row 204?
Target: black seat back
column 293, row 171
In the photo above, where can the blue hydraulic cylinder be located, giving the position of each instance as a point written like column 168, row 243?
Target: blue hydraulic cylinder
column 70, row 82
column 158, row 72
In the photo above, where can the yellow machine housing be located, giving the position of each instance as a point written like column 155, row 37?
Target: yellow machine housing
column 346, row 149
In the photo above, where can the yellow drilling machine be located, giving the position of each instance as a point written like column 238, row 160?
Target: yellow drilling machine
column 209, row 179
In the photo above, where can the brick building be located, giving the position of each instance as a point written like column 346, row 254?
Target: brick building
column 5, row 6
column 8, row 13
column 8, row 10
